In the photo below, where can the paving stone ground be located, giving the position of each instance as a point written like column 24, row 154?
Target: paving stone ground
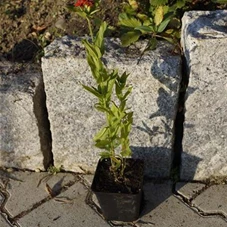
column 32, row 199
column 3, row 222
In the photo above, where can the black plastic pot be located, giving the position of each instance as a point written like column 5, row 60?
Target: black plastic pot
column 120, row 206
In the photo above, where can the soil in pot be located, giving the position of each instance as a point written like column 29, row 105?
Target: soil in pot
column 119, row 200
column 131, row 183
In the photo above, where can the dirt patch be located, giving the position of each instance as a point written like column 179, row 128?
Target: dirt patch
column 27, row 26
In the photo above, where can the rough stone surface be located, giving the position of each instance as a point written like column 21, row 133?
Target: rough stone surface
column 213, row 200
column 164, row 210
column 32, row 188
column 204, row 39
column 189, row 190
column 155, row 80
column 3, row 222
column 88, row 179
column 68, row 214
column 19, row 134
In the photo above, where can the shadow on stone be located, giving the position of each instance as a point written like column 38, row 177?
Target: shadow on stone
column 24, row 51
column 211, row 21
column 40, row 111
column 158, row 190
column 58, row 186
column 162, row 71
column 201, row 27
column 163, row 99
column 156, row 160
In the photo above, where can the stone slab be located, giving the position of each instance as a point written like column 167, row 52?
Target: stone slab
column 155, row 80
column 213, row 200
column 3, row 222
column 88, row 179
column 204, row 39
column 165, row 210
column 74, row 213
column 189, row 190
column 161, row 208
column 19, row 134
column 29, row 188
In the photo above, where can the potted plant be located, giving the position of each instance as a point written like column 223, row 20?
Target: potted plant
column 118, row 179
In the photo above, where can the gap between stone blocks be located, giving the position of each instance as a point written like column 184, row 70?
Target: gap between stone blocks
column 41, row 114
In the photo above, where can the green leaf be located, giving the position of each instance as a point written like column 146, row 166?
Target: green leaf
column 126, row 130
column 93, row 58
column 130, row 22
column 133, row 4
column 142, row 17
column 169, row 31
column 126, row 152
column 92, row 90
column 175, row 23
column 122, row 79
column 158, row 2
column 145, row 29
column 180, row 4
column 148, row 22
column 99, row 39
column 115, row 111
column 166, row 10
column 103, row 144
column 105, row 155
column 110, row 85
column 168, row 39
column 152, row 43
column 93, row 12
column 177, row 34
column 159, row 14
column 91, row 49
column 102, row 134
column 101, row 108
column 163, row 25
column 130, row 37
column 123, row 16
column 127, row 93
column 122, row 105
column 127, row 9
column 96, row 66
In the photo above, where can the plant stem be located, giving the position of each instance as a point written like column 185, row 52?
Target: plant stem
column 90, row 29
column 123, row 165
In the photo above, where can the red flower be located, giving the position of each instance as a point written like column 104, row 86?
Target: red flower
column 82, row 3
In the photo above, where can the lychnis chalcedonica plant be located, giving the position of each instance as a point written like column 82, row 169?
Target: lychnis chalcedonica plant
column 109, row 83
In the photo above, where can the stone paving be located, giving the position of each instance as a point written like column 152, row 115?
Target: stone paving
column 30, row 199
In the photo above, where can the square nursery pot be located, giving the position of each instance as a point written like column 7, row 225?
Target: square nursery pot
column 118, row 201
